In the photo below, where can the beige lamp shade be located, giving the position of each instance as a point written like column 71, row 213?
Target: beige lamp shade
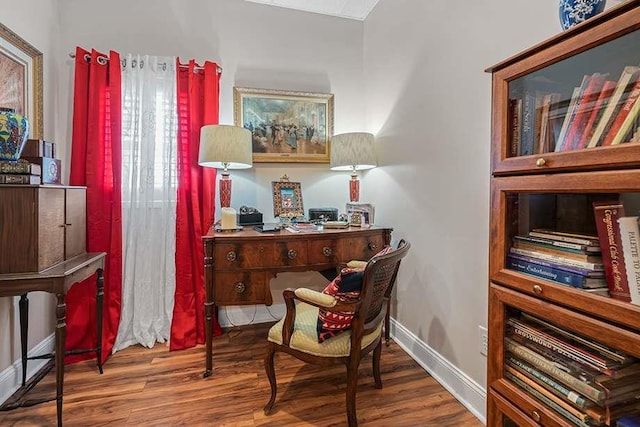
column 353, row 151
column 225, row 146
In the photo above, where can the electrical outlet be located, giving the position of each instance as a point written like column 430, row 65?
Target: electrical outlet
column 483, row 340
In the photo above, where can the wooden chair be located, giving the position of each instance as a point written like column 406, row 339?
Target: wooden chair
column 296, row 333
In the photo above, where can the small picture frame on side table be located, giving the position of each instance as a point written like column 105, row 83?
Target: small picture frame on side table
column 360, row 214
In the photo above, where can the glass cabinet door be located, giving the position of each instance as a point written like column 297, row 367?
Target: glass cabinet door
column 577, row 109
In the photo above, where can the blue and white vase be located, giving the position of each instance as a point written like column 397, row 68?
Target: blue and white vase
column 573, row 12
column 14, row 129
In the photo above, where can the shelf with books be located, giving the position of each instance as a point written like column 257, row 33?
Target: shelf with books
column 564, row 235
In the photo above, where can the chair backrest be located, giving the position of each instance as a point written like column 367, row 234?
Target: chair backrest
column 379, row 278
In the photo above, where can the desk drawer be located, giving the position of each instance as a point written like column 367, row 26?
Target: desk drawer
column 290, row 253
column 325, row 251
column 241, row 288
column 252, row 254
column 362, row 248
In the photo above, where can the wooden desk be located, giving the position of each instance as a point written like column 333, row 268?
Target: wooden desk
column 55, row 280
column 239, row 265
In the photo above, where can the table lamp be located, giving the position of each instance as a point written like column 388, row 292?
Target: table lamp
column 353, row 151
column 226, row 147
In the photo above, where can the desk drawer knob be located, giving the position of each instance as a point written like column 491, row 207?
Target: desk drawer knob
column 231, row 256
column 327, row 251
column 240, row 287
column 373, row 246
column 292, row 254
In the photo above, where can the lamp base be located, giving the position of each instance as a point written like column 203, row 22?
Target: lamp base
column 354, row 189
column 225, row 190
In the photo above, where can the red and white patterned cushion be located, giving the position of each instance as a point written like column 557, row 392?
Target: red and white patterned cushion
column 345, row 287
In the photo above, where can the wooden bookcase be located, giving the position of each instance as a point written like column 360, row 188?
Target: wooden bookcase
column 533, row 185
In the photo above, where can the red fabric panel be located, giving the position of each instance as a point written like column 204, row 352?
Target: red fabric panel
column 96, row 163
column 198, row 94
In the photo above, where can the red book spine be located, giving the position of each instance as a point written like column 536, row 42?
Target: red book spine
column 589, row 97
column 606, row 215
column 605, row 93
column 623, row 113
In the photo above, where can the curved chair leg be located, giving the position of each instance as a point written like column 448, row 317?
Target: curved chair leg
column 387, row 323
column 271, row 374
column 352, row 386
column 376, row 364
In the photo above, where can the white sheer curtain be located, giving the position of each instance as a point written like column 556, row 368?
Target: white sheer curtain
column 149, row 142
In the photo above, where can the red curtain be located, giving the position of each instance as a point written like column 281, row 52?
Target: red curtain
column 96, row 163
column 198, row 92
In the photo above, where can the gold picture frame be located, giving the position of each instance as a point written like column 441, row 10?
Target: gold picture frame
column 287, row 199
column 21, row 79
column 286, row 126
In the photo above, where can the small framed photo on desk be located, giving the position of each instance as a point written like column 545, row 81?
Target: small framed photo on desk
column 287, row 199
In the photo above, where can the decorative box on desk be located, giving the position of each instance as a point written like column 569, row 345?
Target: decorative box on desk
column 250, row 218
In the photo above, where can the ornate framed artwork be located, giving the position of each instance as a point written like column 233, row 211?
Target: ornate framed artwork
column 286, row 126
column 287, row 199
column 21, row 79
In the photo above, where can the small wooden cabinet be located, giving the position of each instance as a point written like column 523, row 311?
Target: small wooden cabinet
column 41, row 226
column 546, row 174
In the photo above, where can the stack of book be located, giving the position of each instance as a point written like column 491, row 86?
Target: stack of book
column 563, row 258
column 586, row 382
column 20, row 172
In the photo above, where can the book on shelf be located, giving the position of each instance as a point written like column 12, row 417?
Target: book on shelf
column 571, row 109
column 628, row 76
column 555, row 275
column 588, row 98
column 515, row 118
column 603, row 291
column 551, row 368
column 528, row 123
column 602, row 349
column 548, row 382
column 600, row 105
column 598, row 274
column 571, row 247
column 545, row 136
column 579, row 414
column 568, row 253
column 629, row 235
column 621, row 124
column 583, row 239
column 606, row 216
column 557, row 112
column 586, row 265
column 20, row 167
column 546, row 400
column 572, row 350
column 12, row 178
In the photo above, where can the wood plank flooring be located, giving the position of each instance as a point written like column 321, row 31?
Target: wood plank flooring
column 155, row 387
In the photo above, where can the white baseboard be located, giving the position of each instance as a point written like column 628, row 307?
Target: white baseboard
column 464, row 389
column 11, row 377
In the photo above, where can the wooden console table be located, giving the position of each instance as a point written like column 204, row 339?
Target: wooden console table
column 55, row 280
column 239, row 265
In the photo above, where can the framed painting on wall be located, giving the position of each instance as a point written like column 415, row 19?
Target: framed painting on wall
column 285, row 126
column 21, row 79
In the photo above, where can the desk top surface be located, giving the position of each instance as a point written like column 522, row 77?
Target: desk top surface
column 62, row 269
column 249, row 232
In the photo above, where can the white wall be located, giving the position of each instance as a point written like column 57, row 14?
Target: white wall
column 36, row 21
column 428, row 102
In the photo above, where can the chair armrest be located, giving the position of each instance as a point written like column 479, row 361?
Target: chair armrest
column 356, row 264
column 315, row 298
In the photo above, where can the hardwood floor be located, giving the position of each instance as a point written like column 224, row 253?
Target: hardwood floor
column 153, row 387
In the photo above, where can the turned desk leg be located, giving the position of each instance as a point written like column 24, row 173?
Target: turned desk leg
column 61, row 335
column 208, row 330
column 99, row 308
column 24, row 333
